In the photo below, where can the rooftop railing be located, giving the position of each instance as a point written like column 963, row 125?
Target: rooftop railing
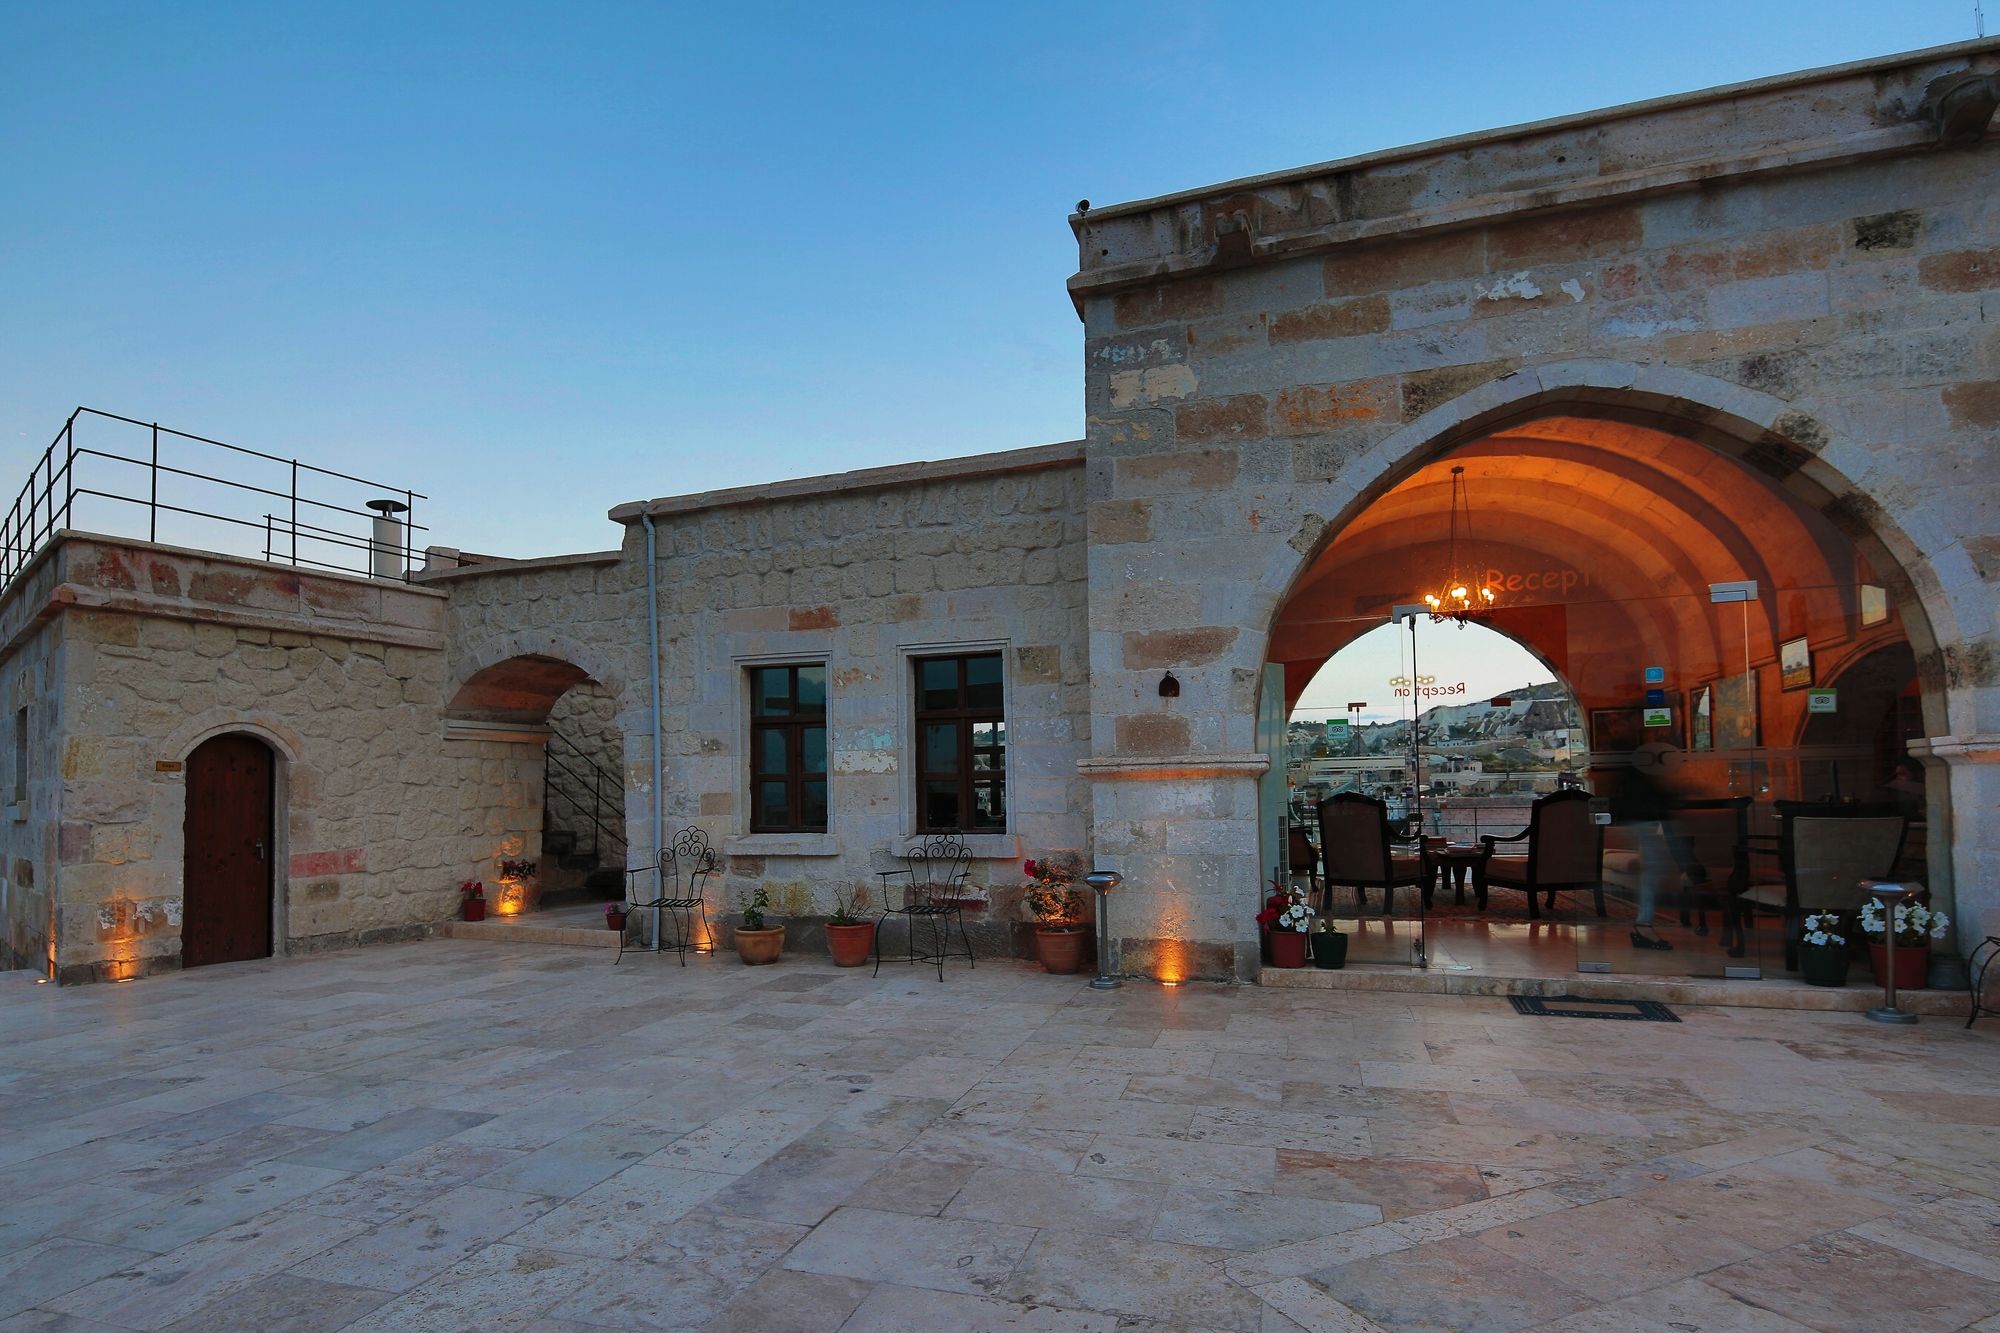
column 119, row 476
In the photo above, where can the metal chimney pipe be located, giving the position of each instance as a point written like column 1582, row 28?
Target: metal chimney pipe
column 385, row 548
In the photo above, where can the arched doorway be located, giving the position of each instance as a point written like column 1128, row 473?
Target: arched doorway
column 1689, row 589
column 561, row 843
column 230, row 845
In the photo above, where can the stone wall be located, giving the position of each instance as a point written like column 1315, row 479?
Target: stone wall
column 31, row 680
column 343, row 678
column 1793, row 273
column 864, row 573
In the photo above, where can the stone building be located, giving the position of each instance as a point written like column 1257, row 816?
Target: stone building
column 1721, row 371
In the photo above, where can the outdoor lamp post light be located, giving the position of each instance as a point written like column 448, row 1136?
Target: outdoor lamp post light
column 1891, row 897
column 1102, row 882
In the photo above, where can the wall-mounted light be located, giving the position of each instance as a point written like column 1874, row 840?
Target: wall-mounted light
column 1169, row 687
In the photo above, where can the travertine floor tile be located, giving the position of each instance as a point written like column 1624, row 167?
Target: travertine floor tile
column 530, row 1139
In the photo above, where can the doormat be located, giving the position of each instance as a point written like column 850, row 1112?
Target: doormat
column 1574, row 1006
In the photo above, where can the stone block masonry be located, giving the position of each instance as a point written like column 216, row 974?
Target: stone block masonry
column 129, row 655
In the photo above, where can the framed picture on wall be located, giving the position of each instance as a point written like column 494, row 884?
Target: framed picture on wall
column 1795, row 664
column 1734, row 725
column 1701, row 720
column 1617, row 729
column 1620, row 729
column 1874, row 604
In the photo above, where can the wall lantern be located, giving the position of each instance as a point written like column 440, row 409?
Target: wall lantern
column 1169, row 687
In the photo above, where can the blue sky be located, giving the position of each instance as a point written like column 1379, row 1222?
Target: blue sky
column 535, row 260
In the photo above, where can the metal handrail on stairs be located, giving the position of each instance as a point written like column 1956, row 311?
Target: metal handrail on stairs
column 591, row 790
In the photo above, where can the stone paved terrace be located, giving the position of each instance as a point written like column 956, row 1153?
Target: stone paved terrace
column 456, row 1135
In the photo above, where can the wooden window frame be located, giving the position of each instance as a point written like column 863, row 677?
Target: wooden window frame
column 964, row 719
column 794, row 726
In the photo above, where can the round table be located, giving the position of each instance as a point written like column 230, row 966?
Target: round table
column 1460, row 861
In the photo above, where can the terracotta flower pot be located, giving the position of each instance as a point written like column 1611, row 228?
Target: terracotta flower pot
column 614, row 920
column 1913, row 965
column 849, row 945
column 1288, row 948
column 473, row 909
column 760, row 946
column 1060, row 951
column 1823, row 964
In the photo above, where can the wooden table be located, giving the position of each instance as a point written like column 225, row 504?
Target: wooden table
column 1460, row 861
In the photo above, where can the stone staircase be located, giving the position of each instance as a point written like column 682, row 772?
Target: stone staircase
column 572, row 875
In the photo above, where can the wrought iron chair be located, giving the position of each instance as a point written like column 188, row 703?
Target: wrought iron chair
column 1975, row 968
column 1354, row 850
column 934, row 874
column 681, row 873
column 1825, row 851
column 1565, row 851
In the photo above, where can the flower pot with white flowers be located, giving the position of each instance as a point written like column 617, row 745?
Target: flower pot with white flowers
column 1823, row 951
column 1288, row 917
column 1916, row 926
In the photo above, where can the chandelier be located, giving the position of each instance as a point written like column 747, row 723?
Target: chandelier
column 1456, row 599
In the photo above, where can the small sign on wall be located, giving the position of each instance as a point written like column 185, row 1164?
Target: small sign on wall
column 1659, row 717
column 1656, row 675
column 1822, row 701
column 167, row 766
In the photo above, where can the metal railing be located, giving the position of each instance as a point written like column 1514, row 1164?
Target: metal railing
column 591, row 791
column 102, row 469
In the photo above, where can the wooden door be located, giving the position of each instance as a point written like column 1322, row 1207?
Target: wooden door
column 226, row 910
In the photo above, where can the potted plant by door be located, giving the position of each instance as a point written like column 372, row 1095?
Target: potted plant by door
column 614, row 915
column 1823, row 951
column 1054, row 901
column 1916, row 926
column 756, row 941
column 472, row 900
column 849, row 936
column 1288, row 925
column 1329, row 946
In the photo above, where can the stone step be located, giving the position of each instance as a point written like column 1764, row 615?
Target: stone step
column 1770, row 993
column 523, row 930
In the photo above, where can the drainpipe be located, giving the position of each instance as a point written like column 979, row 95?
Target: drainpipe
column 653, row 662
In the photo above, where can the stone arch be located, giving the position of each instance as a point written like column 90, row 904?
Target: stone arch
column 1815, row 463
column 512, row 675
column 284, row 740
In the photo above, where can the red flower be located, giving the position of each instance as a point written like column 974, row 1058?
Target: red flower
column 1267, row 917
column 1028, row 865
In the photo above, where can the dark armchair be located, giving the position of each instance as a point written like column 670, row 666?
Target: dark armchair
column 1825, row 851
column 1565, row 850
column 1354, row 850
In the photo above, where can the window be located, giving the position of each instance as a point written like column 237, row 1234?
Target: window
column 961, row 745
column 788, row 749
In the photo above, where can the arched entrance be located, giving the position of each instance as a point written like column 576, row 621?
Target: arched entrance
column 563, row 843
column 1699, row 595
column 230, row 846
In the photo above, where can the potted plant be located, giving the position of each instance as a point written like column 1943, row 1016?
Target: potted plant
column 1287, row 916
column 1916, row 926
column 849, row 936
column 757, row 942
column 614, row 915
column 472, row 900
column 1056, row 904
column 1823, row 951
column 1329, row 946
